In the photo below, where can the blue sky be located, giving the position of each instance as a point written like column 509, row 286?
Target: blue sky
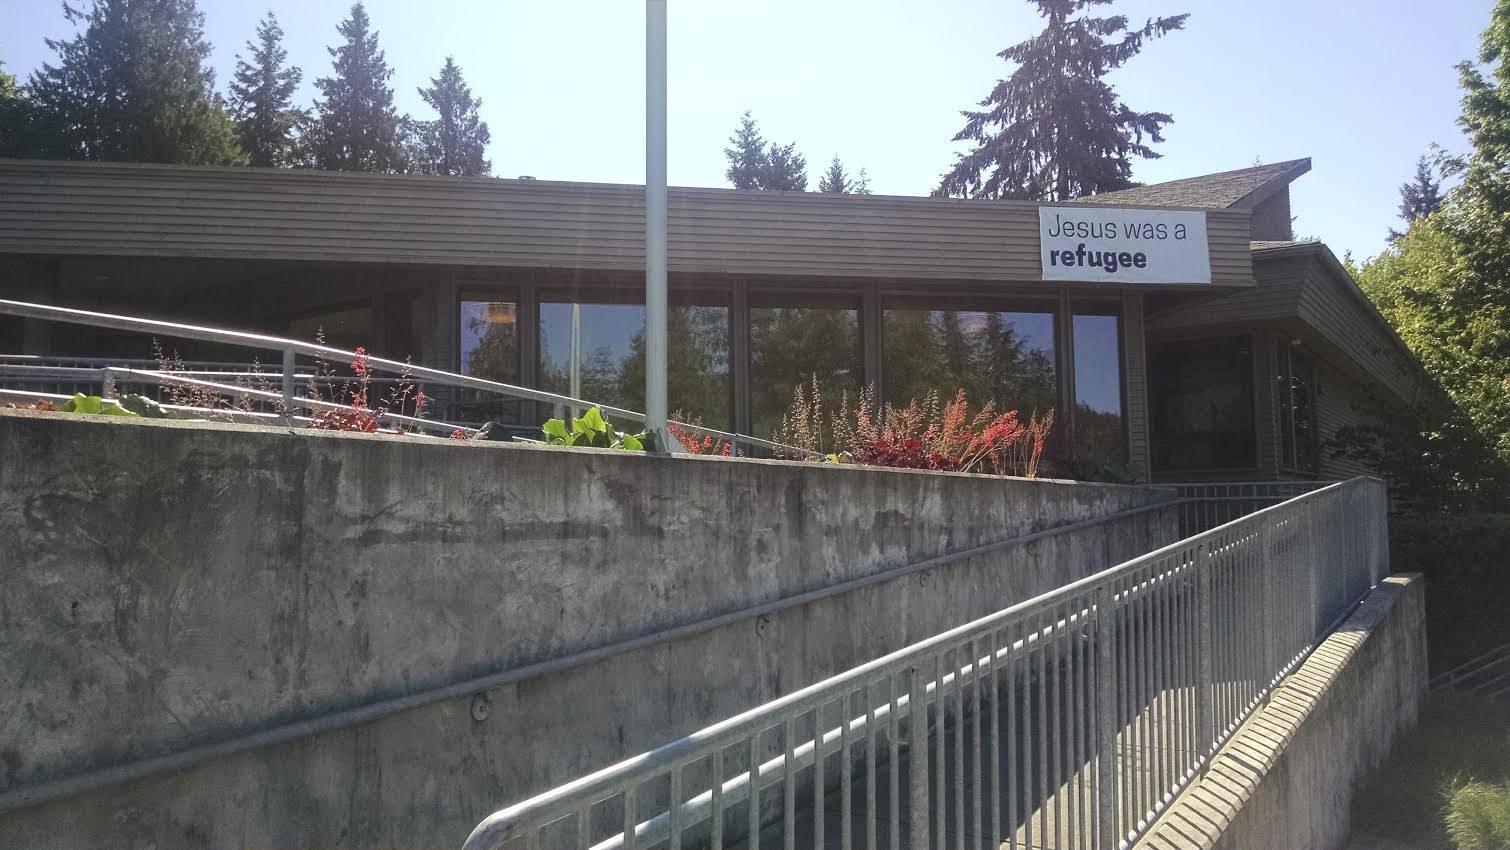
column 1361, row 86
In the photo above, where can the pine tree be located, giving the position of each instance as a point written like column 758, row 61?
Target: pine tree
column 133, row 86
column 13, row 115
column 356, row 127
column 747, row 156
column 1420, row 197
column 1054, row 129
column 456, row 141
column 262, row 94
column 787, row 169
column 756, row 164
column 837, row 181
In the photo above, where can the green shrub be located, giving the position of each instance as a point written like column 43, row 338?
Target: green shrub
column 1478, row 816
column 1466, row 561
column 593, row 431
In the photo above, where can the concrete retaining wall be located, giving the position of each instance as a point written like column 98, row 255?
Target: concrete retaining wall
column 1286, row 779
column 169, row 585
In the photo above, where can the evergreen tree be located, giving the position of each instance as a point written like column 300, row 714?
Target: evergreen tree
column 837, row 181
column 756, row 164
column 262, row 95
column 1445, row 284
column 356, row 127
column 456, row 141
column 13, row 115
column 1055, row 129
column 133, row 86
column 1420, row 197
column 747, row 156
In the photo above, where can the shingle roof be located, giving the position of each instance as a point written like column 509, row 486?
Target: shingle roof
column 1241, row 188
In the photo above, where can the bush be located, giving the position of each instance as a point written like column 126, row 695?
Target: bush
column 1466, row 561
column 1478, row 816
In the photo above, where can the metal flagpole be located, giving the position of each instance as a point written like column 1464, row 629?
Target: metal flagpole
column 655, row 221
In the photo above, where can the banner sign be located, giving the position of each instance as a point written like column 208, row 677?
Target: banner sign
column 1111, row 245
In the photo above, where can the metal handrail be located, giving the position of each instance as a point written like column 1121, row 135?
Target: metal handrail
column 1162, row 657
column 1470, row 667
column 291, row 348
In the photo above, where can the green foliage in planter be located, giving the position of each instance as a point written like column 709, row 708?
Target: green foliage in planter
column 81, row 403
column 593, row 431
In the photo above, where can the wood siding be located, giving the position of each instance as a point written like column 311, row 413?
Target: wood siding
column 146, row 210
column 1135, row 368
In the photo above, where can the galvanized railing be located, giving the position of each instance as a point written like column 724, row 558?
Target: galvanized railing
column 1068, row 720
column 1207, row 505
column 288, row 374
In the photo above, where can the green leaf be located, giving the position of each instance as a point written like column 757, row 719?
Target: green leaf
column 555, row 431
column 143, row 406
column 111, row 408
column 593, row 421
column 630, row 442
column 81, row 403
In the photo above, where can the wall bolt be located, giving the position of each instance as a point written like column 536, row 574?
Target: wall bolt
column 482, row 706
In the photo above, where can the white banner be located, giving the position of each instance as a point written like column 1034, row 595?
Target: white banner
column 1112, row 245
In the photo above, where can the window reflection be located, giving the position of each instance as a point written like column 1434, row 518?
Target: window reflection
column 1201, row 396
column 1005, row 357
column 597, row 352
column 795, row 344
column 489, row 333
column 1100, row 433
column 1297, row 412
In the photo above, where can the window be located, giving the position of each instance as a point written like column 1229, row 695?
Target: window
column 1201, row 401
column 596, row 351
column 1100, row 436
column 1005, row 357
column 489, row 334
column 1295, row 390
column 345, row 327
column 795, row 341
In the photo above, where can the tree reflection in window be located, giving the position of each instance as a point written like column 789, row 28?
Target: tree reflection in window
column 610, row 357
column 1005, row 357
column 489, row 332
column 1100, row 431
column 792, row 345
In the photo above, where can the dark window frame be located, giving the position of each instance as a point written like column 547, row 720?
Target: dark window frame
column 1291, row 458
column 1250, row 386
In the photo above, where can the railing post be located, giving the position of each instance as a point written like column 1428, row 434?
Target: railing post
column 1379, row 565
column 1205, row 686
column 1106, row 719
column 288, row 383
column 917, row 752
column 1266, row 599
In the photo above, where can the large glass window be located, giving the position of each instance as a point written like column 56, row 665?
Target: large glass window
column 793, row 341
column 596, row 351
column 1100, row 431
column 1001, row 356
column 489, row 335
column 1201, row 401
column 1296, row 391
column 348, row 326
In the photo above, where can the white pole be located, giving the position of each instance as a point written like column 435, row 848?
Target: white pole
column 574, row 370
column 655, row 221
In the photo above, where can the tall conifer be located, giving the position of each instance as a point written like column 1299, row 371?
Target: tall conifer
column 1055, row 129
column 456, row 142
column 262, row 96
column 356, row 127
column 133, row 86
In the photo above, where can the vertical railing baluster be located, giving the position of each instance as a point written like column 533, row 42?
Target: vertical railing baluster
column 718, row 799
column 1106, row 719
column 754, row 813
column 789, row 783
column 917, row 751
column 1205, row 722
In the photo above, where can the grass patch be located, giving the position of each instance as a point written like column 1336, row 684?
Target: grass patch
column 1459, row 741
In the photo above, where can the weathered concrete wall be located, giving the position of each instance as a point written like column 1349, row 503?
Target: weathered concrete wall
column 169, row 584
column 1286, row 779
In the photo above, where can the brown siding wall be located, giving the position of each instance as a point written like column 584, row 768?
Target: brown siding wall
column 1136, row 369
column 1339, row 403
column 93, row 208
column 1271, row 218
